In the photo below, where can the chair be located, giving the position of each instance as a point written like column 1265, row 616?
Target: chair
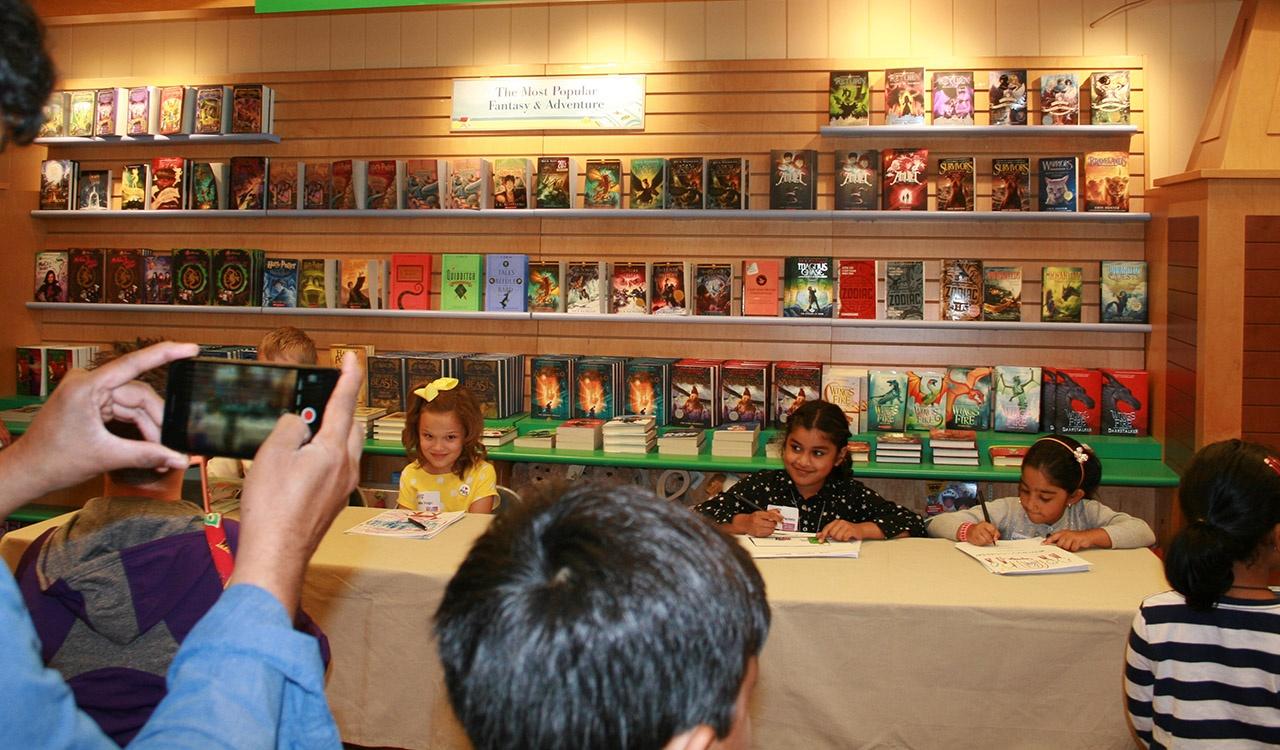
column 506, row 496
column 379, row 497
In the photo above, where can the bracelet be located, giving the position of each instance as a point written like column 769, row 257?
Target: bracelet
column 962, row 534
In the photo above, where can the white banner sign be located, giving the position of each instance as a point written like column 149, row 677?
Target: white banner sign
column 613, row 102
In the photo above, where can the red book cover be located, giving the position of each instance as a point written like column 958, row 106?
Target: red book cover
column 1079, row 395
column 1125, row 402
column 410, row 281
column 168, row 183
column 857, row 284
column 744, row 389
column 381, row 180
column 760, row 287
column 794, row 383
column 124, row 277
column 906, row 179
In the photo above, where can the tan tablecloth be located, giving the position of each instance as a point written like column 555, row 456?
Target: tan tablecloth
column 912, row 645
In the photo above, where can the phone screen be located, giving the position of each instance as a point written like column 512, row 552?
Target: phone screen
column 218, row 407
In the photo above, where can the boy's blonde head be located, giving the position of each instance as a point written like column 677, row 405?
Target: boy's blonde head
column 287, row 345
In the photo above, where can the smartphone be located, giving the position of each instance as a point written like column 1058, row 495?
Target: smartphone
column 225, row 407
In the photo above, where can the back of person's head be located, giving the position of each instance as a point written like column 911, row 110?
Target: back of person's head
column 601, row 617
column 1067, row 463
column 158, row 379
column 828, row 419
column 287, row 345
column 1230, row 496
column 26, row 73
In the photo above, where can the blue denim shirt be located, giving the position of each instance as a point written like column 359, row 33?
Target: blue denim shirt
column 244, row 678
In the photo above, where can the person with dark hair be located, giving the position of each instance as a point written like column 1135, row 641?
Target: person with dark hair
column 26, row 73
column 1203, row 661
column 818, row 482
column 603, row 617
column 1056, row 490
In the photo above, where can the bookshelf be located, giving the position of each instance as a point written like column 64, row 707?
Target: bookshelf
column 159, row 140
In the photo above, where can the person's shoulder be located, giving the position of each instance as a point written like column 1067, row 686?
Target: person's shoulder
column 482, row 469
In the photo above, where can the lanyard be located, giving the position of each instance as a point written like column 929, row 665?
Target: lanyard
column 216, row 537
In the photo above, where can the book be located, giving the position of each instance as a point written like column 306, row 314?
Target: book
column 713, row 289
column 694, row 387
column 168, row 183
column 386, row 383
column 208, row 186
column 1011, row 184
column 952, row 97
column 93, row 190
column 317, row 188
column 760, row 287
column 960, row 289
column 794, row 384
column 1079, row 395
column 192, row 272
column 1123, row 295
column 543, row 292
column 504, row 282
column 54, row 124
column 926, row 399
column 669, row 288
column 1001, row 292
column 727, row 183
column 1059, row 99
column 886, row 400
column 283, row 193
column 403, row 523
column 82, row 109
column 1109, row 97
column 469, row 184
column 495, row 437
column 1125, row 399
column 143, row 115
column 177, row 110
column 1017, row 399
column 648, row 183
column 410, row 281
column 157, row 278
column 580, row 433
column 422, row 183
column 602, row 184
column 1106, row 181
column 899, row 443
column 796, row 544
column 744, row 394
column 904, row 96
column 1048, row 399
column 249, row 103
column 343, row 178
column 968, row 398
column 1058, row 183
column 809, row 287
column 57, row 184
column 233, row 274
column 362, row 353
column 1007, row 100
column 1025, row 557
column 629, row 288
column 1007, row 455
column 1061, row 289
column 954, row 191
column 51, row 276
column 317, row 283
column 584, row 287
column 536, row 439
column 461, row 281
column 556, row 182
column 551, row 380
column 511, row 183
column 686, row 181
column 32, row 373
column 849, row 98
column 594, row 392
column 280, row 282
column 213, row 115
column 135, row 187
column 904, row 290
column 85, row 275
column 953, row 439
column 111, row 108
column 793, row 179
column 857, row 285
column 681, row 442
column 648, row 385
column 248, row 183
column 846, row 387
column 857, row 180
column 123, row 276
column 905, row 179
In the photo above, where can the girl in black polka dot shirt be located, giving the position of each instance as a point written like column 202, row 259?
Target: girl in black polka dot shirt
column 818, row 481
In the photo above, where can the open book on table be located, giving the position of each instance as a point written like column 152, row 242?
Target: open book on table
column 407, row 524
column 1025, row 557
column 798, row 544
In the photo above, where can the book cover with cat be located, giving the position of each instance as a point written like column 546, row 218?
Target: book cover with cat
column 1011, row 184
column 849, row 97
column 955, row 186
column 857, row 180
column 905, row 179
column 1059, row 99
column 1106, row 181
column 904, row 96
column 952, row 97
column 1058, row 183
column 1007, row 97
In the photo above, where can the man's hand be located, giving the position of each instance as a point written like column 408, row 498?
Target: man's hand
column 295, row 489
column 68, row 442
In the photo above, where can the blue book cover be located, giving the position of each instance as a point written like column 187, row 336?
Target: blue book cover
column 887, row 400
column 1017, row 402
column 1058, row 183
column 504, row 277
column 280, row 283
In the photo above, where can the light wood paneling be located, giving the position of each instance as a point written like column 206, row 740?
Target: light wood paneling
column 1017, row 28
column 529, row 45
column 568, row 35
column 764, row 19
column 313, row 42
column 244, row 46
column 807, row 24
column 348, row 40
column 890, row 22
column 606, row 33
column 280, row 43
column 1181, row 387
column 456, row 37
column 686, row 31
column 383, row 44
column 975, row 29
column 932, row 30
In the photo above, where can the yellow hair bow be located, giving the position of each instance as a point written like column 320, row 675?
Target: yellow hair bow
column 432, row 389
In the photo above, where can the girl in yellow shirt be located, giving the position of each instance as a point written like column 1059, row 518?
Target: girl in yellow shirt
column 442, row 436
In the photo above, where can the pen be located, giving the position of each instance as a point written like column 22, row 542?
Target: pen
column 985, row 513
column 416, row 522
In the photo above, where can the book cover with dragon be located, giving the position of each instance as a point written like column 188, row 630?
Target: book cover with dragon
column 1001, row 292
column 968, row 398
column 926, row 399
column 886, row 400
column 1079, row 397
column 1125, row 402
column 1061, row 288
column 1017, row 399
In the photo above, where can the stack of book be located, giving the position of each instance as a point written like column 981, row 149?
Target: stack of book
column 494, row 437
column 682, row 442
column 735, row 440
column 953, row 447
column 773, row 446
column 21, row 415
column 1007, row 455
column 545, row 438
column 860, row 451
column 582, row 434
column 365, row 417
column 497, row 382
column 630, row 434
column 229, row 351
column 389, row 428
column 41, row 368
column 897, row 448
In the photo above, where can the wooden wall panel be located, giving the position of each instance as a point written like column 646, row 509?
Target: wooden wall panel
column 1260, row 407
column 1180, row 383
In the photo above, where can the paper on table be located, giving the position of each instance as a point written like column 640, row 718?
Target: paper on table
column 796, row 544
column 396, row 523
column 1025, row 557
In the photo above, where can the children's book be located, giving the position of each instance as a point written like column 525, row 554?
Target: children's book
column 135, row 187
column 1048, row 399
column 83, row 108
column 317, row 187
column 93, row 190
column 248, row 183
column 422, row 183
column 192, row 277
column 511, row 183
column 555, row 183
column 1106, row 181
column 213, row 115
column 386, row 382
column 1002, row 292
column 57, row 184
column 904, row 96
column 797, row 544
column 648, row 383
column 343, row 178
column 550, row 387
column 1017, row 394
column 1061, row 290
column 111, row 119
column 602, row 185
column 85, row 277
column 849, row 98
column 208, row 186
column 1058, row 183
column 629, row 288
column 1109, row 97
column 760, row 287
column 1011, row 184
column 594, row 392
column 123, row 277
column 953, row 97
column 469, row 183
column 317, row 283
column 955, row 187
column 846, row 387
column 694, row 387
column 157, row 278
column 968, row 398
column 402, row 523
column 1123, row 296
column 461, row 281
column 1079, row 396
column 32, row 377
column 544, row 291
column 686, row 182
column 1125, row 399
column 232, row 271
column 382, row 184
column 793, row 183
column 1059, row 99
column 809, row 290
column 669, row 289
column 505, row 275
column 905, row 179
column 857, row 180
column 283, row 192
column 1007, row 103
column 904, row 290
column 143, row 117
column 249, row 108
column 648, row 183
column 960, row 289
column 1025, row 557
column 857, row 284
column 584, row 287
column 744, row 393
column 409, row 283
column 51, row 276
column 794, row 384
column 55, row 116
column 713, row 289
column 727, row 183
column 887, row 400
column 280, row 282
column 177, row 110
column 168, row 183
column 926, row 399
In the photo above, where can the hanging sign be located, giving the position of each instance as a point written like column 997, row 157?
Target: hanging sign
column 609, row 102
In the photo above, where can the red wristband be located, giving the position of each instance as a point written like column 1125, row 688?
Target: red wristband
column 962, row 534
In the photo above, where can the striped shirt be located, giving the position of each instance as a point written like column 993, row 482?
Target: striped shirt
column 1204, row 679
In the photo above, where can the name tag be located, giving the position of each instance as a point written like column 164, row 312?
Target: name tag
column 790, row 517
column 429, row 502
